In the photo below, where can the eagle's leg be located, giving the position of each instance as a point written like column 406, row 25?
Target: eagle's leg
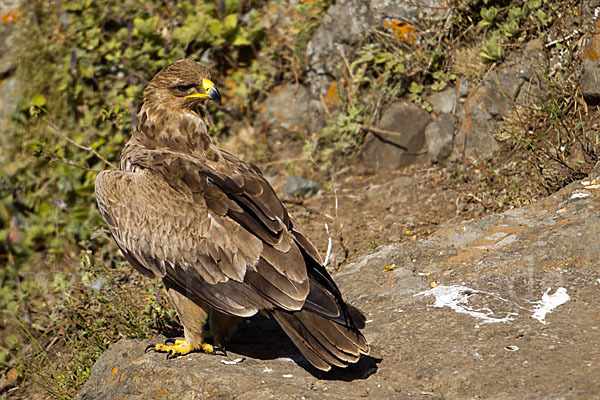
column 193, row 317
column 222, row 327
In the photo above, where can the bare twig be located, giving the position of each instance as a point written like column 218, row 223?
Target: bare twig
column 82, row 147
column 380, row 131
column 377, row 132
column 564, row 39
column 284, row 160
column 346, row 63
column 325, row 107
column 339, row 224
column 328, row 245
column 73, row 164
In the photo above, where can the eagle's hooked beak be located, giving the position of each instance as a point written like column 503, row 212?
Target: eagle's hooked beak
column 210, row 92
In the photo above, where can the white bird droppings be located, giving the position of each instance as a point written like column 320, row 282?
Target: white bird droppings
column 232, row 362
column 549, row 303
column 457, row 296
column 579, row 195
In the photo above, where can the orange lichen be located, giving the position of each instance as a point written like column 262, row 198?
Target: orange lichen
column 402, row 30
column 592, row 52
column 331, row 97
column 11, row 16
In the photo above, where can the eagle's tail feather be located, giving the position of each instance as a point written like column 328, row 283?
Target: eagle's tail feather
column 322, row 341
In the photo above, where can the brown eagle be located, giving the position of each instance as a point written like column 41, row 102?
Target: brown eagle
column 212, row 228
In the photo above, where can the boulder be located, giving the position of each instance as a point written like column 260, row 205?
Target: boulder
column 400, row 138
column 444, row 101
column 489, row 104
column 501, row 307
column 289, row 110
column 590, row 78
column 296, row 186
column 440, row 137
column 475, row 133
column 10, row 13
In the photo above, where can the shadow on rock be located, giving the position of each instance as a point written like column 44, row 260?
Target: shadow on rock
column 261, row 338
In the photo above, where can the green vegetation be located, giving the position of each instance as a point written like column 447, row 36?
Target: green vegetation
column 84, row 66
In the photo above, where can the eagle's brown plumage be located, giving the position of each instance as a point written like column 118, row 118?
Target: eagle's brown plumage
column 214, row 230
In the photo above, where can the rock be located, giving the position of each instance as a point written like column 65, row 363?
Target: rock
column 513, row 314
column 590, row 79
column 10, row 12
column 400, row 188
column 440, row 137
column 444, row 102
column 289, row 109
column 475, row 133
column 9, row 380
column 404, row 143
column 297, row 186
column 595, row 172
column 343, row 26
column 493, row 101
column 346, row 24
column 9, row 102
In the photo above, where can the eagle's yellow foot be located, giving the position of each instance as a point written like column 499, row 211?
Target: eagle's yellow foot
column 181, row 347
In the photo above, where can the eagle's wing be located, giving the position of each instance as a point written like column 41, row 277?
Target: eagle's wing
column 225, row 239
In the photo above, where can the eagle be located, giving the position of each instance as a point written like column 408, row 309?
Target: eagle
column 212, row 228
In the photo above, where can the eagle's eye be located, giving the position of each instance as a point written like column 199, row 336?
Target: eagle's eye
column 185, row 89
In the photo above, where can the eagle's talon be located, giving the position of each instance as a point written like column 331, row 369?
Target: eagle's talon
column 221, row 349
column 181, row 347
column 150, row 347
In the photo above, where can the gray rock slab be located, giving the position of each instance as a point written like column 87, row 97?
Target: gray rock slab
column 10, row 11
column 475, row 133
column 590, row 77
column 297, row 186
column 289, row 110
column 440, row 137
column 404, row 144
column 514, row 315
column 444, row 102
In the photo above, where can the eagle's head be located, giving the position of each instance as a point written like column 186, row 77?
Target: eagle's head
column 182, row 86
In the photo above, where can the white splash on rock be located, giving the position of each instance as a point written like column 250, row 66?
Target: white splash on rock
column 580, row 195
column 457, row 297
column 549, row 303
column 233, row 362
